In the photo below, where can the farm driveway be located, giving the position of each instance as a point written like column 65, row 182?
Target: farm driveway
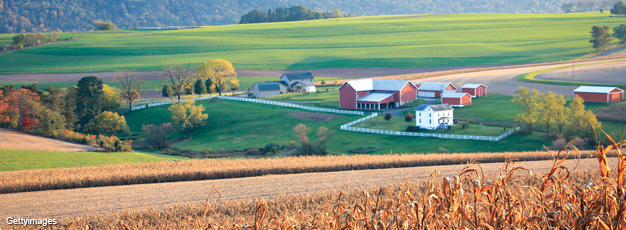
column 15, row 140
column 102, row 200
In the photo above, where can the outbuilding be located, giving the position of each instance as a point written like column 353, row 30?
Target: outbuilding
column 434, row 89
column 268, row 89
column 376, row 94
column 474, row 90
column 600, row 93
column 456, row 99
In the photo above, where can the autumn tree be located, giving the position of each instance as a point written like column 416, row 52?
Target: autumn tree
column 408, row 117
column 108, row 123
column 199, row 88
column 187, row 116
column 582, row 121
column 601, row 37
column 221, row 73
column 308, row 148
column 561, row 113
column 529, row 104
column 131, row 85
column 110, row 98
column 210, row 88
column 167, row 91
column 179, row 78
column 88, row 99
column 549, row 107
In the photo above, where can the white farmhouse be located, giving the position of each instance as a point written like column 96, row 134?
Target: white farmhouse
column 434, row 116
column 298, row 82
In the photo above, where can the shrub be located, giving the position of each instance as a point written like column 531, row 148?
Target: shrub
column 363, row 150
column 271, row 148
column 408, row 117
column 113, row 144
column 443, row 150
column 388, row 116
column 157, row 135
column 613, row 113
column 559, row 143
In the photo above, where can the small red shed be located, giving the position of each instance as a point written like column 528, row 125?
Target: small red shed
column 474, row 90
column 434, row 89
column 455, row 99
column 600, row 93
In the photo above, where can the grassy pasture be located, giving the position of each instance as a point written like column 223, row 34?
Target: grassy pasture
column 363, row 42
column 11, row 160
column 399, row 124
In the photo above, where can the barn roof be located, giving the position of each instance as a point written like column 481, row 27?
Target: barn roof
column 434, row 86
column 473, row 86
column 595, row 89
column 422, row 107
column 298, row 76
column 375, row 97
column 377, row 84
column 452, row 94
column 268, row 86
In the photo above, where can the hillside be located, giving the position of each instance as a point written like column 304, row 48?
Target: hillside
column 363, row 42
column 73, row 15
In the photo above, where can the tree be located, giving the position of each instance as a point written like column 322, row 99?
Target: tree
column 189, row 89
column 100, row 25
column 221, row 73
column 308, row 148
column 254, row 16
column 33, row 88
column 167, row 91
column 187, row 116
column 336, row 13
column 131, row 85
column 19, row 41
column 323, row 135
column 110, row 98
column 549, row 107
column 88, row 98
column 619, row 8
column 582, row 121
column 619, row 32
column 210, row 88
column 601, row 37
column 567, row 7
column 318, row 15
column 178, row 76
column 108, row 123
column 408, row 117
column 70, row 112
column 388, row 116
column 54, row 36
column 157, row 135
column 199, row 87
column 48, row 121
column 529, row 105
column 234, row 84
column 561, row 113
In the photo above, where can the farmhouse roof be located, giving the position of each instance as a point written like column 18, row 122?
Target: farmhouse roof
column 377, row 84
column 375, row 97
column 434, row 86
column 297, row 82
column 595, row 89
column 298, row 76
column 268, row 86
column 423, row 107
column 452, row 94
column 472, row 86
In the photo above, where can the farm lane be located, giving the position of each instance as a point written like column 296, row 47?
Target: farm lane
column 103, row 200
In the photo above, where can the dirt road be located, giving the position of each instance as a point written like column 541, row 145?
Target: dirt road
column 610, row 73
column 15, row 140
column 102, row 200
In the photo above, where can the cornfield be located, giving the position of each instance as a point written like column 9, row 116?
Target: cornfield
column 514, row 198
column 171, row 171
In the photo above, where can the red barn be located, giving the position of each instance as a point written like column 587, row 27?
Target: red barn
column 376, row 94
column 453, row 98
column 600, row 93
column 434, row 89
column 474, row 90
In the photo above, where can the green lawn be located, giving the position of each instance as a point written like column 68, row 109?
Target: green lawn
column 23, row 159
column 237, row 125
column 321, row 95
column 399, row 124
column 361, row 42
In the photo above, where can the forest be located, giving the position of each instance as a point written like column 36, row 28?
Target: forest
column 22, row 16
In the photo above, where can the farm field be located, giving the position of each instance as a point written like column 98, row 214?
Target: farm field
column 399, row 124
column 607, row 73
column 487, row 39
column 11, row 160
column 238, row 125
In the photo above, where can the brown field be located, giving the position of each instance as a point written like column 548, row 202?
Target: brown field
column 609, row 73
column 566, row 194
column 191, row 170
column 615, row 113
column 14, row 140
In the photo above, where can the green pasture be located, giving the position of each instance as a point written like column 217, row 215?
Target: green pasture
column 25, row 159
column 399, row 124
column 362, row 42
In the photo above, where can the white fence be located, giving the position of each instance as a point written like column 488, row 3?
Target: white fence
column 415, row 134
column 262, row 102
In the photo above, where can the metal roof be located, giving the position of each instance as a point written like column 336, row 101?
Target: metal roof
column 375, row 97
column 473, row 86
column 452, row 94
column 268, row 86
column 298, row 82
column 298, row 76
column 416, row 82
column 434, row 86
column 377, row 84
column 595, row 89
column 422, row 107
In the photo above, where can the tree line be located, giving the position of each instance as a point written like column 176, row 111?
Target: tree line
column 294, row 13
column 587, row 5
column 24, row 16
column 601, row 36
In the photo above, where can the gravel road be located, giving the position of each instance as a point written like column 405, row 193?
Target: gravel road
column 103, row 200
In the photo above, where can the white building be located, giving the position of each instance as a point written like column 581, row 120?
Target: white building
column 299, row 82
column 434, row 116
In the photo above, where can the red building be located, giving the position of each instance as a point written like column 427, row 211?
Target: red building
column 474, row 90
column 434, row 89
column 599, row 93
column 376, row 94
column 456, row 99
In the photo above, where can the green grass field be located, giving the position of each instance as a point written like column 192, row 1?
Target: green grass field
column 361, row 42
column 399, row 124
column 11, row 160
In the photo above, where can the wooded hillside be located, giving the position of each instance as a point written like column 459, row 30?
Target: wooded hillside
column 18, row 16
